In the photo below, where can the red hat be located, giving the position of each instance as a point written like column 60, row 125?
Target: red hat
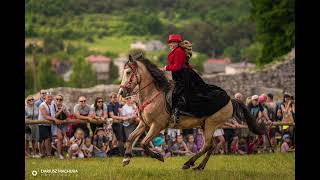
column 262, row 99
column 174, row 38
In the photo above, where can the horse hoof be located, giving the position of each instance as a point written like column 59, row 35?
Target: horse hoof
column 125, row 161
column 159, row 157
column 185, row 167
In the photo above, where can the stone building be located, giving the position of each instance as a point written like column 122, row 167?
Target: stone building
column 215, row 65
column 153, row 45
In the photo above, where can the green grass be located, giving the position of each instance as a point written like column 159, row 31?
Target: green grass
column 262, row 166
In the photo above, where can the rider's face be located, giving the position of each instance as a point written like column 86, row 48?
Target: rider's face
column 173, row 45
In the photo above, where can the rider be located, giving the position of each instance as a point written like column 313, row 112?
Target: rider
column 191, row 95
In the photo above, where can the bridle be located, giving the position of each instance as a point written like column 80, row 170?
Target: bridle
column 129, row 88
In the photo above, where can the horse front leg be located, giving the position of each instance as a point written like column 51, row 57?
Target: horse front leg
column 153, row 131
column 137, row 132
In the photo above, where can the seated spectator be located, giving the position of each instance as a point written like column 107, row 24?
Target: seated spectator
column 285, row 146
column 180, row 148
column 199, row 139
column 252, row 147
column 129, row 111
column 100, row 143
column 75, row 144
column 235, row 146
column 114, row 149
column 82, row 111
column 191, row 145
column 218, row 136
column 87, row 148
column 158, row 143
column 32, row 131
column 59, row 131
column 243, row 146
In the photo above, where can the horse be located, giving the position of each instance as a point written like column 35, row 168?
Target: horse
column 142, row 77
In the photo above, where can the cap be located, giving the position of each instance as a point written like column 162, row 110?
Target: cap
column 254, row 97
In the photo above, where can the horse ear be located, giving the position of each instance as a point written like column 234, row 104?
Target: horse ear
column 130, row 59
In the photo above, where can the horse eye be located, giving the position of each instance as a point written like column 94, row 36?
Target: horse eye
column 128, row 72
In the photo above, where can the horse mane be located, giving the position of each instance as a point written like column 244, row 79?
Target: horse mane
column 161, row 82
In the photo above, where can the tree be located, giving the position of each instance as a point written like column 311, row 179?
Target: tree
column 82, row 74
column 47, row 78
column 275, row 21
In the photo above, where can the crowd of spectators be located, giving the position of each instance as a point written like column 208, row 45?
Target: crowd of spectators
column 86, row 140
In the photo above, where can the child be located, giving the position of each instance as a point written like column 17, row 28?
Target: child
column 75, row 143
column 180, row 148
column 191, row 145
column 87, row 148
column 100, row 143
column 285, row 147
column 199, row 139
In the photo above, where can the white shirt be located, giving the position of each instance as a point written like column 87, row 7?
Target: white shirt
column 127, row 111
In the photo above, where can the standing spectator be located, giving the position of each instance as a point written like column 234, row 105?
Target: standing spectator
column 100, row 143
column 129, row 111
column 99, row 111
column 180, row 148
column 75, row 144
column 32, row 131
column 239, row 97
column 264, row 118
column 230, row 133
column 271, row 108
column 218, row 136
column 191, row 145
column 46, row 112
column 82, row 111
column 199, row 139
column 42, row 97
column 59, row 131
column 288, row 110
column 114, row 113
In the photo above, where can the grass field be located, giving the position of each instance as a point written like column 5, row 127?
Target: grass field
column 262, row 166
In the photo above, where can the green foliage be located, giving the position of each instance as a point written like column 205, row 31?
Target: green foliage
column 114, row 72
column 197, row 61
column 275, row 26
column 252, row 53
column 82, row 74
column 47, row 77
column 52, row 44
column 28, row 80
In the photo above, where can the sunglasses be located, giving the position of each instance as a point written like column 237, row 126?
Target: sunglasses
column 43, row 93
column 83, row 101
column 30, row 100
column 59, row 99
column 100, row 101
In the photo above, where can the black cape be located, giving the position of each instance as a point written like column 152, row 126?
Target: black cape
column 194, row 96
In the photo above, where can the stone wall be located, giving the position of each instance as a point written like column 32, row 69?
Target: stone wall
column 276, row 79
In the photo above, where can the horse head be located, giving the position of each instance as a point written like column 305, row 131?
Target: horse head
column 130, row 76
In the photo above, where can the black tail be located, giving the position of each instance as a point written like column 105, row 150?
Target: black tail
column 240, row 112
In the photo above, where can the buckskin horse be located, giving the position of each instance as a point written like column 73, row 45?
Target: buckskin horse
column 142, row 77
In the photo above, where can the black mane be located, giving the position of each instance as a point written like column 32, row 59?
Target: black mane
column 161, row 81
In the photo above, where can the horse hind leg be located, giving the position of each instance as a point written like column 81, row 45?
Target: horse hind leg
column 208, row 131
column 205, row 160
column 153, row 131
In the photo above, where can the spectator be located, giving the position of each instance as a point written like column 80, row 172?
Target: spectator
column 59, row 131
column 114, row 113
column 100, row 143
column 98, row 111
column 288, row 110
column 42, row 97
column 235, row 146
column 271, row 108
column 180, row 148
column 199, row 139
column 285, row 147
column 229, row 133
column 191, row 145
column 46, row 112
column 252, row 147
column 239, row 97
column 75, row 144
column 218, row 136
column 32, row 131
column 129, row 112
column 158, row 143
column 115, row 148
column 87, row 148
column 248, row 100
column 82, row 111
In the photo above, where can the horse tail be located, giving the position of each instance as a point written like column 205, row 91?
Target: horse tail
column 241, row 112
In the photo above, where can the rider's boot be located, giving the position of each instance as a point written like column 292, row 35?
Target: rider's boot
column 176, row 115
